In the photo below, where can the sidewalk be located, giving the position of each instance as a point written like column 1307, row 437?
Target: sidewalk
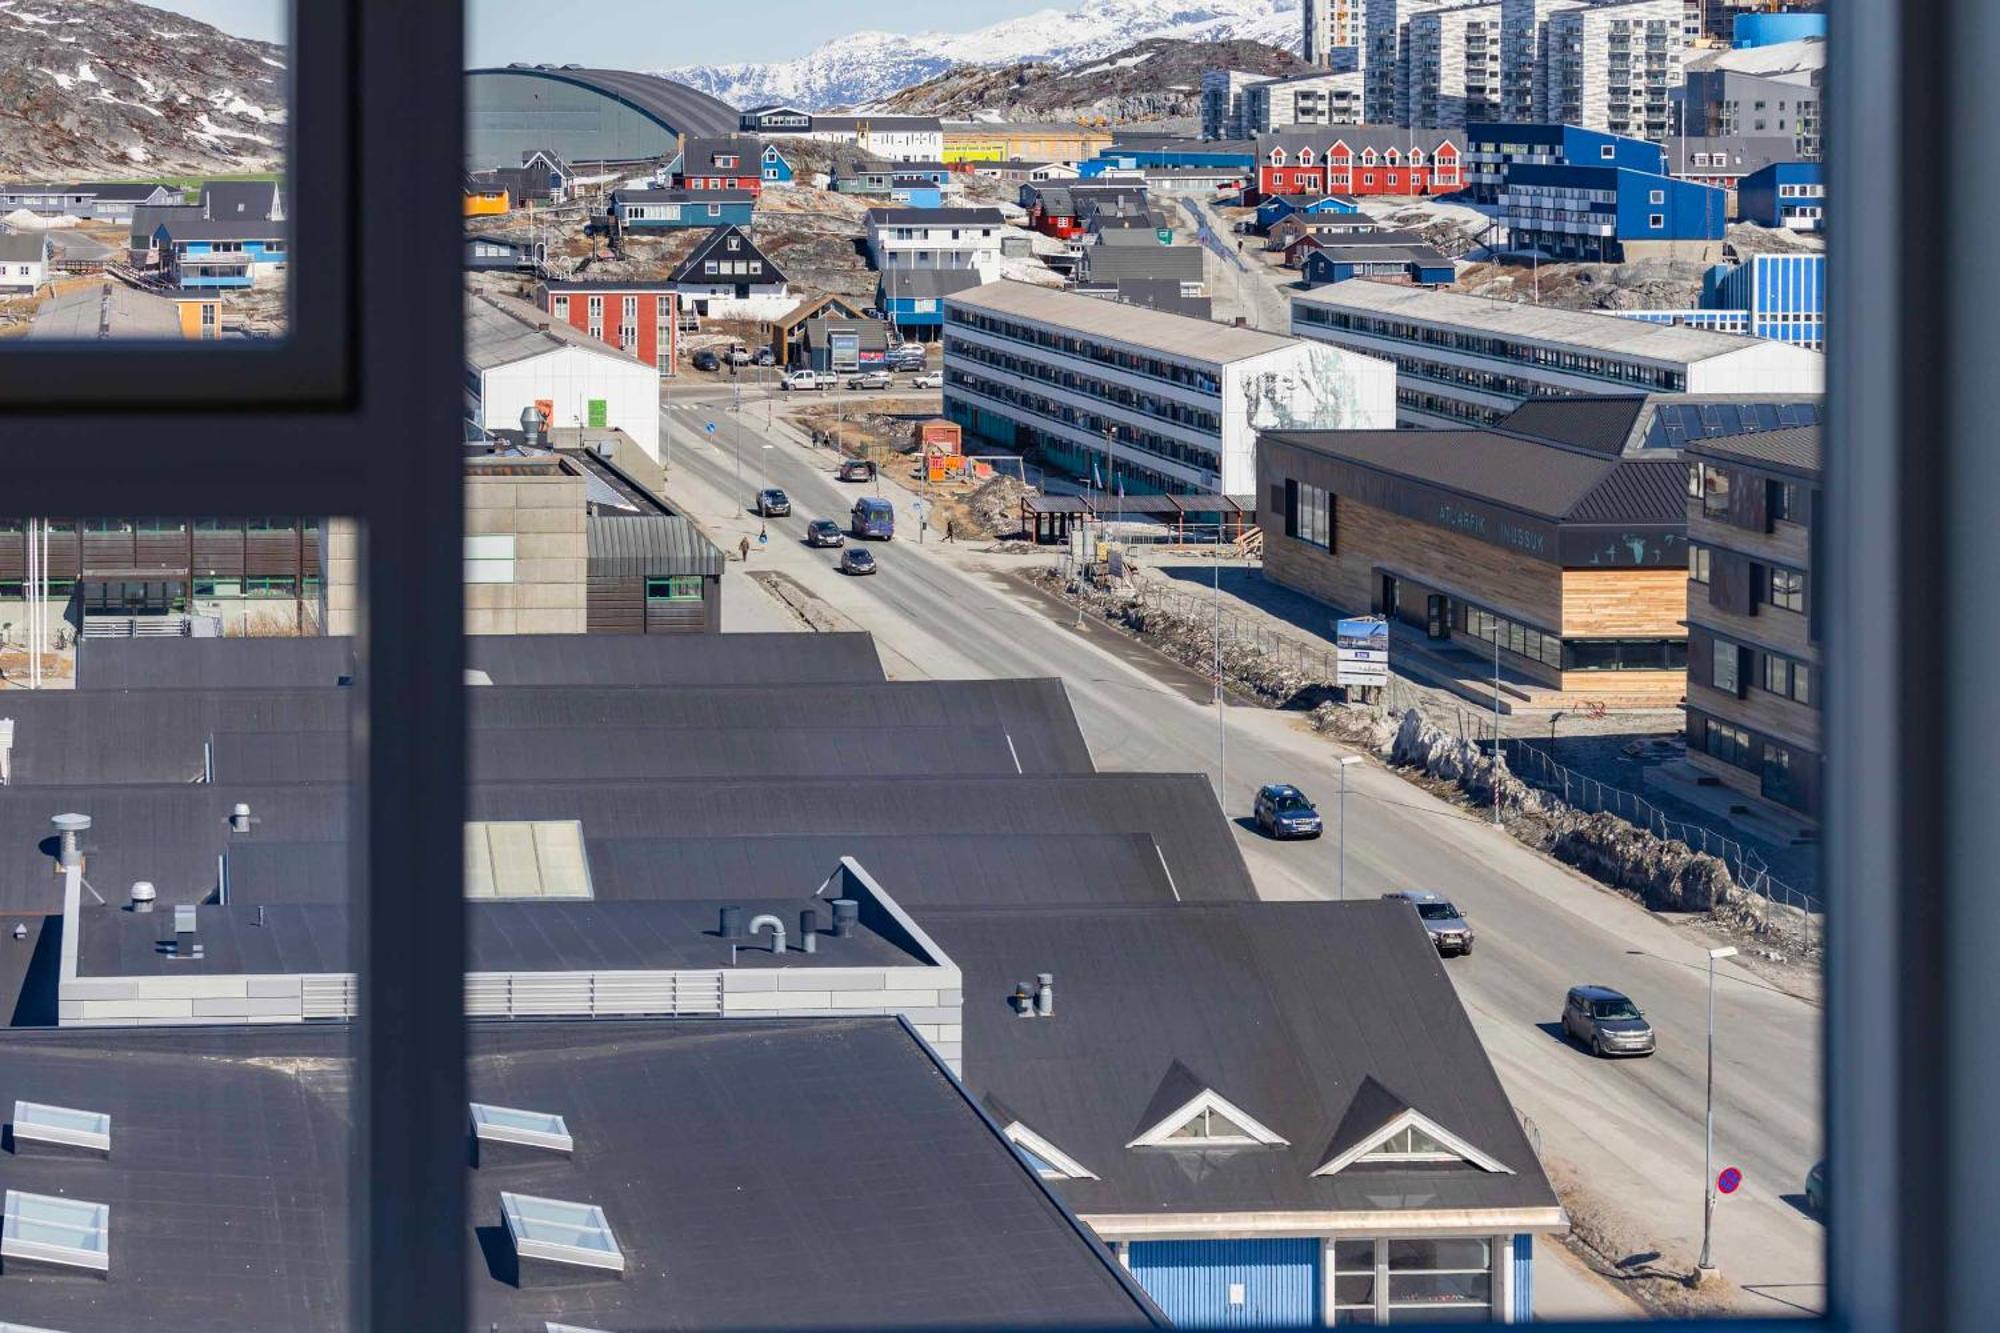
column 1566, row 1290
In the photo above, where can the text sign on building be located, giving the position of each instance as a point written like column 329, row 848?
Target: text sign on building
column 1361, row 651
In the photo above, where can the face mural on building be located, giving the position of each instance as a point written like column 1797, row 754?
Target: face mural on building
column 1330, row 389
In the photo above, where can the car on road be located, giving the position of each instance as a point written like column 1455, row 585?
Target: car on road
column 773, row 503
column 930, row 379
column 871, row 379
column 1816, row 1188
column 855, row 469
column 824, row 532
column 805, row 379
column 764, row 356
column 1282, row 811
column 1607, row 1022
column 706, row 360
column 1446, row 924
column 906, row 356
column 857, row 560
column 872, row 519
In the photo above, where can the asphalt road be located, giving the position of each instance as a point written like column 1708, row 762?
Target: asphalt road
column 1630, row 1131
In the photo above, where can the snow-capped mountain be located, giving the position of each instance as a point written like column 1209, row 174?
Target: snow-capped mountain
column 864, row 67
column 112, row 89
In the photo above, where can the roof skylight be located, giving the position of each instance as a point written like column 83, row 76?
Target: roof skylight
column 526, row 858
column 45, row 1229
column 62, row 1124
column 535, row 1129
column 561, row 1232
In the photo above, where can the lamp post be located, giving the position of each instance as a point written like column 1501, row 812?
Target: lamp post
column 764, row 468
column 1346, row 763
column 1705, row 1266
column 1553, row 719
column 1496, row 722
column 1221, row 725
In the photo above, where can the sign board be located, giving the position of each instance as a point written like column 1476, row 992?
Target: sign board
column 1361, row 651
column 1729, row 1180
column 597, row 417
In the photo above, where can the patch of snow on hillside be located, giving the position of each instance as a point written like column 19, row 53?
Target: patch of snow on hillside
column 232, row 104
column 105, row 96
column 1123, row 62
column 63, row 81
column 84, row 73
column 41, row 20
column 208, row 129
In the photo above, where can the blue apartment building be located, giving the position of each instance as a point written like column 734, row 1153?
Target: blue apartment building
column 663, row 210
column 1791, row 195
column 1494, row 146
column 1226, row 154
column 1611, row 214
column 1783, row 296
column 200, row 254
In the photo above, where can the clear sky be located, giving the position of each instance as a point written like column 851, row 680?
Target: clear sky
column 647, row 34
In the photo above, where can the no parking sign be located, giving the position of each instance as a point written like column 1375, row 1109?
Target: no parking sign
column 1729, row 1180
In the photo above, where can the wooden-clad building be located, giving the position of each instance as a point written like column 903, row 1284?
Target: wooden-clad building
column 652, row 574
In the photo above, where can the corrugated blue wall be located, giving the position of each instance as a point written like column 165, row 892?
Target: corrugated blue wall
column 1191, row 1280
column 1524, row 1278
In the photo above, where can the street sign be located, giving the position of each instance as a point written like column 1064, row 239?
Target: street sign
column 1361, row 652
column 1728, row 1181
column 709, row 427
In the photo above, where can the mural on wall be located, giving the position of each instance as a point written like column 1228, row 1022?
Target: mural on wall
column 1329, row 388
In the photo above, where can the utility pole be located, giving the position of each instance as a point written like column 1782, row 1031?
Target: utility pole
column 1496, row 722
column 1705, row 1266
column 1221, row 723
column 1346, row 763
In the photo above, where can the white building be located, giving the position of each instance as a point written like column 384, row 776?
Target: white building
column 1324, row 98
column 891, row 138
column 1454, row 65
column 1385, row 58
column 1330, row 26
column 517, row 357
column 1222, row 102
column 1467, row 359
column 946, row 238
column 1524, row 57
column 1177, row 401
column 24, row 260
column 1614, row 67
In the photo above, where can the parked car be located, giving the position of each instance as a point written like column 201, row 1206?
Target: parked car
column 824, row 532
column 857, row 560
column 1608, row 1022
column 1282, row 811
column 906, row 356
column 805, row 379
column 773, row 503
column 870, row 379
column 1446, row 924
column 930, row 379
column 706, row 360
column 856, row 469
column 871, row 312
column 764, row 356
column 1816, row 1187
column 738, row 356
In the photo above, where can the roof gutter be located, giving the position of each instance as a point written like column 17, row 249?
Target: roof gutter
column 1375, row 1222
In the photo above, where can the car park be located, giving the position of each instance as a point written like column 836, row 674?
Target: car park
column 930, row 379
column 857, row 560
column 824, row 532
column 805, row 379
column 1282, row 811
column 706, row 360
column 1445, row 924
column 773, row 503
column 1607, row 1022
column 855, row 469
column 870, row 379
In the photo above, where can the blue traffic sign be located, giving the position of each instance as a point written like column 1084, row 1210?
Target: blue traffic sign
column 709, row 427
column 1728, row 1181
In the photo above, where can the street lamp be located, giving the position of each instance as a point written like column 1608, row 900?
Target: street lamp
column 1496, row 722
column 1553, row 719
column 1705, row 1266
column 1346, row 763
column 764, row 468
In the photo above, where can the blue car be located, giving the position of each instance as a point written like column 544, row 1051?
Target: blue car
column 1282, row 811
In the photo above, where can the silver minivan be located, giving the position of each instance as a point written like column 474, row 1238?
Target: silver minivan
column 1607, row 1022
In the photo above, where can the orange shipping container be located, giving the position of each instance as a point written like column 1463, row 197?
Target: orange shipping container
column 942, row 433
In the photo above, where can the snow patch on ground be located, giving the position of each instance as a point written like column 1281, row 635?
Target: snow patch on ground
column 23, row 220
column 63, row 81
column 274, row 64
column 1123, row 62
column 137, row 152
column 41, row 20
column 233, row 104
column 103, row 96
column 84, row 73
column 208, row 129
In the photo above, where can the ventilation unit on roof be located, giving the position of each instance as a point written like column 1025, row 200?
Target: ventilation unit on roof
column 556, row 1241
column 63, row 1130
column 183, row 944
column 502, row 1135
column 65, row 1234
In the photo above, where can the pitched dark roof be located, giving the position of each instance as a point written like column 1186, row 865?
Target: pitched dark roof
column 1422, row 255
column 775, row 1208
column 656, row 545
column 146, row 219
column 1182, row 263
column 230, row 229
column 926, row 284
column 1602, row 424
column 649, row 196
column 714, row 246
column 699, row 153
column 239, row 201
column 1321, row 998
column 1794, row 449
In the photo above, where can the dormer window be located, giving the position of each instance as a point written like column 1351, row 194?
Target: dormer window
column 1049, row 1162
column 1408, row 1138
column 1277, row 157
column 1208, row 1120
column 1368, row 157
column 1305, row 157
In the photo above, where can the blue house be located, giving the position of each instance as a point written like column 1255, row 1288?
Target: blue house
column 1770, row 29
column 1419, row 265
column 1784, row 194
column 1235, row 157
column 1783, row 296
column 1281, row 206
column 1611, row 214
column 912, row 299
column 198, row 253
column 776, row 166
column 661, row 210
column 916, row 191
column 1493, row 146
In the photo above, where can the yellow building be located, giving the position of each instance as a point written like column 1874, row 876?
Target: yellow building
column 484, row 200
column 200, row 316
column 1037, row 142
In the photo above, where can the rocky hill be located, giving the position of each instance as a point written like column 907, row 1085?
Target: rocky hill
column 108, row 89
column 1155, row 79
column 865, row 67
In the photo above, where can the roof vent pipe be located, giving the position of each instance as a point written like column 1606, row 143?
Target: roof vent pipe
column 143, row 896
column 1045, row 995
column 732, row 923
column 68, row 829
column 763, row 919
column 809, row 930
column 846, row 917
column 1024, row 1000
column 239, row 818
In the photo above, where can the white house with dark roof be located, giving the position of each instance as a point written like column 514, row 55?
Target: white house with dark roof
column 727, row 277
column 936, row 238
column 24, row 260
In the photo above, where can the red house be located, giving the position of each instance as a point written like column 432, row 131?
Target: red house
column 1361, row 160
column 730, row 162
column 640, row 319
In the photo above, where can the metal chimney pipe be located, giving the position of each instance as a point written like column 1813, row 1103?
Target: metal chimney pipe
column 1045, row 995
column 1024, row 1000
column 809, row 930
column 68, row 829
column 846, row 917
column 732, row 923
column 239, row 818
column 763, row 919
column 143, row 896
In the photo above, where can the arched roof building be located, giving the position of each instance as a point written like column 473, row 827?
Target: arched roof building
column 586, row 115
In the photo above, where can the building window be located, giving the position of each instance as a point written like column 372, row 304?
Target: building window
column 1727, row 675
column 1787, row 589
column 1655, row 221
column 1781, row 501
column 1714, row 491
column 1729, row 744
column 1698, row 557
column 1657, row 197
column 679, row 588
column 271, row 586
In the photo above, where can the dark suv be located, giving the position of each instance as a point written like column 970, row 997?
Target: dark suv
column 1607, row 1022
column 1283, row 811
column 773, row 503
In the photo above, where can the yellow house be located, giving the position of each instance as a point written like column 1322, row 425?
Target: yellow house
column 483, row 199
column 1043, row 142
column 200, row 316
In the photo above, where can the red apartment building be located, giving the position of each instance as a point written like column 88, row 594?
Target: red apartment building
column 1361, row 159
column 730, row 162
column 638, row 318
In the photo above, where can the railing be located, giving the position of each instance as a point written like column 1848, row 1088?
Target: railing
column 591, row 994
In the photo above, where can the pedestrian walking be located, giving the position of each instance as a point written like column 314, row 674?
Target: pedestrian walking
column 743, row 549
column 951, row 530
